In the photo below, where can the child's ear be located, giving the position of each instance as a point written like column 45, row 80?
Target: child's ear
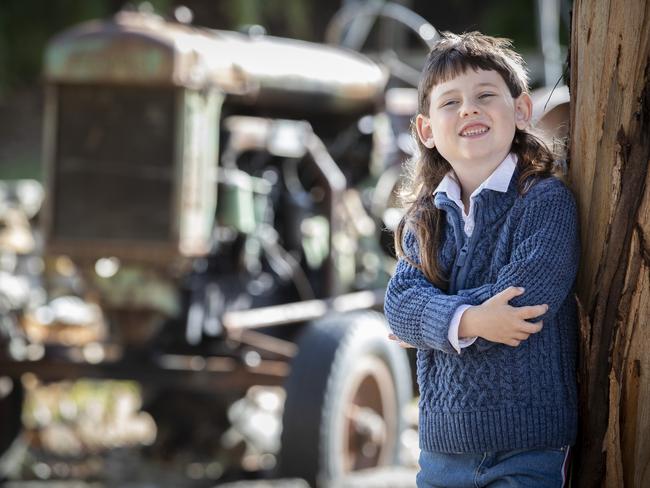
column 523, row 111
column 423, row 128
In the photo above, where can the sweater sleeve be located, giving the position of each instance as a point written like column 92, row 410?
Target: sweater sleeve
column 545, row 256
column 418, row 312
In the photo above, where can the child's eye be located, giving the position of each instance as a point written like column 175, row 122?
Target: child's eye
column 485, row 95
column 448, row 103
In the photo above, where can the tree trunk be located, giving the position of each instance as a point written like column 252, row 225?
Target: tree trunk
column 610, row 152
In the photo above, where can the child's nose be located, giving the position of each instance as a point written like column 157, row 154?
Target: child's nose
column 468, row 108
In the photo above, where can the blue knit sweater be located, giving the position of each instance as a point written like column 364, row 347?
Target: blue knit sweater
column 492, row 396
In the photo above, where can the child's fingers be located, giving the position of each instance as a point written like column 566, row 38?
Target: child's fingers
column 520, row 336
column 533, row 328
column 532, row 311
column 401, row 343
column 508, row 294
column 523, row 334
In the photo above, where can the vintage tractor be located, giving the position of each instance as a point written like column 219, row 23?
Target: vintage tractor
column 223, row 200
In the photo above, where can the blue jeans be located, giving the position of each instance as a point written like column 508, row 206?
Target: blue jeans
column 529, row 468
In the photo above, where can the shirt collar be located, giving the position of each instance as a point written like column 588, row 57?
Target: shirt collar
column 499, row 180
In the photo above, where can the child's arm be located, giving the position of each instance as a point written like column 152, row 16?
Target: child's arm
column 495, row 321
column 545, row 258
column 418, row 312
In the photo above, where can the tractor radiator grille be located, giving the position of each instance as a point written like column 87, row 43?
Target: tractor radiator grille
column 113, row 175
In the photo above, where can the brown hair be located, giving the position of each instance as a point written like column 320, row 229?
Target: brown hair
column 451, row 56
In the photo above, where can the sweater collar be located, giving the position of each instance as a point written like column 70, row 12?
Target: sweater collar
column 499, row 180
column 493, row 197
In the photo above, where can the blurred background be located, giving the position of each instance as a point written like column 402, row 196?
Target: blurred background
column 195, row 233
column 26, row 25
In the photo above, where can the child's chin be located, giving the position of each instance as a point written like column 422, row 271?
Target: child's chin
column 478, row 155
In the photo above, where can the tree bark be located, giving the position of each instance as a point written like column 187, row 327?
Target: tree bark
column 610, row 155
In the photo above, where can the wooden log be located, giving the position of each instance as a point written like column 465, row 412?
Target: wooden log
column 610, row 153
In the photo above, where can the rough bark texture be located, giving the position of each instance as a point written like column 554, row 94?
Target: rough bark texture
column 610, row 151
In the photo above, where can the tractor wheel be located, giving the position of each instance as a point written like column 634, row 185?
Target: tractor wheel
column 345, row 398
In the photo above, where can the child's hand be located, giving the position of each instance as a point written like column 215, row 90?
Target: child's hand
column 401, row 343
column 497, row 321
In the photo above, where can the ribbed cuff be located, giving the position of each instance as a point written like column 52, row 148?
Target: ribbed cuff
column 436, row 318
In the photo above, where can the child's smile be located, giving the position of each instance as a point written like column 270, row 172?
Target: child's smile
column 474, row 130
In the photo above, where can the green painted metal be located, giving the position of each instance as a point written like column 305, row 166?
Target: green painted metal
column 197, row 199
column 242, row 200
column 108, row 58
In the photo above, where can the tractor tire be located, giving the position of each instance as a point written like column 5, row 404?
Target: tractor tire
column 345, row 397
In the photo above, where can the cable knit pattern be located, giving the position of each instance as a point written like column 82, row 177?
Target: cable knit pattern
column 492, row 396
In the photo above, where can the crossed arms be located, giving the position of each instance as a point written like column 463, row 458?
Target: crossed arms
column 544, row 262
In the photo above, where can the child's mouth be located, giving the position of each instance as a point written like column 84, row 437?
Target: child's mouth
column 474, row 131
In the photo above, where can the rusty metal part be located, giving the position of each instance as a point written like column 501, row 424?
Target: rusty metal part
column 291, row 313
column 370, row 411
column 335, row 186
column 213, row 373
column 136, row 48
column 145, row 154
column 91, row 249
column 264, row 343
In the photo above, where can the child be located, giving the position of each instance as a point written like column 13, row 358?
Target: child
column 488, row 253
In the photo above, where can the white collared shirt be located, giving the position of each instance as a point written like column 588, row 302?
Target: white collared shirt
column 499, row 180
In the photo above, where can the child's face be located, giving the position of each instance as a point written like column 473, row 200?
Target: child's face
column 472, row 119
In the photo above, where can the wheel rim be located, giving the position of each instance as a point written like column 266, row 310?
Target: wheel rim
column 370, row 416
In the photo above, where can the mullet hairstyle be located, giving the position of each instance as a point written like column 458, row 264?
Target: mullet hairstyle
column 451, row 56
